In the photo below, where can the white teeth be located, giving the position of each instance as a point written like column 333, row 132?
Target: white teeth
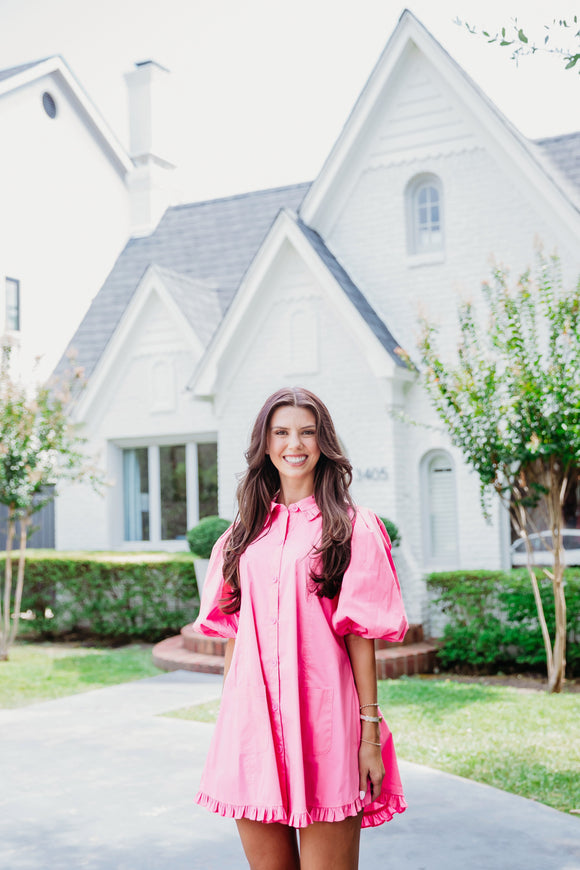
column 295, row 460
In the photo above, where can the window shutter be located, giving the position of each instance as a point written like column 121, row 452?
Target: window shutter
column 442, row 507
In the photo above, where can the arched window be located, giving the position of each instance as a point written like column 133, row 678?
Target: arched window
column 439, row 508
column 424, row 214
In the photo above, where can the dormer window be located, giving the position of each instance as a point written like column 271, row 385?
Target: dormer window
column 424, row 215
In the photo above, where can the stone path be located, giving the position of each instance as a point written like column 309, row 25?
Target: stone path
column 101, row 781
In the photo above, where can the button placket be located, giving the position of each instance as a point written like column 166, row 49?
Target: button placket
column 275, row 623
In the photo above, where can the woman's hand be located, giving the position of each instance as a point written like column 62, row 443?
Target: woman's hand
column 370, row 766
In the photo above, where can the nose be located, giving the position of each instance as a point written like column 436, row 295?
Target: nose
column 295, row 439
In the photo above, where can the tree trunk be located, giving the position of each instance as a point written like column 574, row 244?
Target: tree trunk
column 24, row 523
column 557, row 674
column 551, row 479
column 7, row 608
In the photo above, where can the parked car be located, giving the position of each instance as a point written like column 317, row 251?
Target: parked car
column 542, row 556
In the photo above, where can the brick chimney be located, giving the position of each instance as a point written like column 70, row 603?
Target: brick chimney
column 150, row 183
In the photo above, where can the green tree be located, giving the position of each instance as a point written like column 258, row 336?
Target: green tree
column 39, row 447
column 521, row 43
column 510, row 400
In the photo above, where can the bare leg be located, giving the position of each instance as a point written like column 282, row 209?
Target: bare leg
column 331, row 844
column 270, row 846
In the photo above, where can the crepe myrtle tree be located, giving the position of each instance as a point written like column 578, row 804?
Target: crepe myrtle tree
column 39, row 447
column 560, row 37
column 510, row 400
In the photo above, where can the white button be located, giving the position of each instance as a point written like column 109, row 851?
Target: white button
column 274, row 579
column 274, row 620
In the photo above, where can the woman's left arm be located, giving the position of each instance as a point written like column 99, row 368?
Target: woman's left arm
column 362, row 658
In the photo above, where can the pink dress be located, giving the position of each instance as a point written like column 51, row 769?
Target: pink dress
column 285, row 746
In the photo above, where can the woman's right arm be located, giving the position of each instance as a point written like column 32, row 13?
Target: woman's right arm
column 228, row 655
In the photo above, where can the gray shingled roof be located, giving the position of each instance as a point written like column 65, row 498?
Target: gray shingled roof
column 564, row 153
column 197, row 300
column 213, row 241
column 359, row 301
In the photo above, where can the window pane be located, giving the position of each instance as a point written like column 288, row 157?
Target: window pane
column 207, row 479
column 173, row 492
column 433, row 194
column 426, row 205
column 136, row 494
column 12, row 304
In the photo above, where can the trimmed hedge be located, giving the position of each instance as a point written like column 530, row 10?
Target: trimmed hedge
column 392, row 531
column 202, row 537
column 117, row 596
column 492, row 622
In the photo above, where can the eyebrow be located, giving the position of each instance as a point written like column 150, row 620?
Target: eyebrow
column 280, row 426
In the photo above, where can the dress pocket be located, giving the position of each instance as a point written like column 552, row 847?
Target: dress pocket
column 316, row 719
column 245, row 719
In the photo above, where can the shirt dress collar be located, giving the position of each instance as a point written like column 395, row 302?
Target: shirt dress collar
column 306, row 506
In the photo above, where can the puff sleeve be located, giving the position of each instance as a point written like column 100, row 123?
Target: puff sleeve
column 212, row 621
column 370, row 603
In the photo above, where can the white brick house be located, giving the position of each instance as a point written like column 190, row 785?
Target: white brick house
column 318, row 285
column 71, row 197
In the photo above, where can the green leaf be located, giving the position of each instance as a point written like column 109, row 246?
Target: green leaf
column 522, row 36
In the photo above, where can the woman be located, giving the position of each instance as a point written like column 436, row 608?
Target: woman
column 300, row 585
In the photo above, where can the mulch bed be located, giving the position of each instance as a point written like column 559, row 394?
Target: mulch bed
column 529, row 682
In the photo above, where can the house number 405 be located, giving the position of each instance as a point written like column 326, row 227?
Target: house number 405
column 371, row 474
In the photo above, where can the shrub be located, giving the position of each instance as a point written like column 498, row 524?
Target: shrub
column 492, row 620
column 392, row 531
column 201, row 538
column 123, row 596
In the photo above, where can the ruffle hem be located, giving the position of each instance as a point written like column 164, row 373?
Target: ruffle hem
column 374, row 814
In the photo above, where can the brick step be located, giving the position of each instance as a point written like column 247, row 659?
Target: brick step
column 415, row 658
column 199, row 643
column 171, row 655
column 214, row 646
column 414, row 635
column 174, row 653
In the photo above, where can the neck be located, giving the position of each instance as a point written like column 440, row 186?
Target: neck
column 292, row 494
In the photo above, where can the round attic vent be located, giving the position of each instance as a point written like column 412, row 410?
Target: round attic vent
column 49, row 105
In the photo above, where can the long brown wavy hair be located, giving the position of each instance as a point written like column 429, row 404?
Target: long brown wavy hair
column 261, row 483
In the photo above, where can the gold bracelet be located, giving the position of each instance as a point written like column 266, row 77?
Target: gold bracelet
column 362, row 740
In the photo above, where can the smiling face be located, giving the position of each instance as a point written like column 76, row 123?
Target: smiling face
column 293, row 448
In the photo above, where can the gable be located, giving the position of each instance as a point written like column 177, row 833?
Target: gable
column 418, row 103
column 419, row 116
column 292, row 265
column 152, row 353
column 54, row 70
column 213, row 242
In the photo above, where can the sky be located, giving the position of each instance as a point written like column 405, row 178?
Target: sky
column 260, row 89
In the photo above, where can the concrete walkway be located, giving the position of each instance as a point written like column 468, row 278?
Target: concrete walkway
column 101, row 781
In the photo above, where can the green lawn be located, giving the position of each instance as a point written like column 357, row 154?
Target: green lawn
column 525, row 742
column 39, row 671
